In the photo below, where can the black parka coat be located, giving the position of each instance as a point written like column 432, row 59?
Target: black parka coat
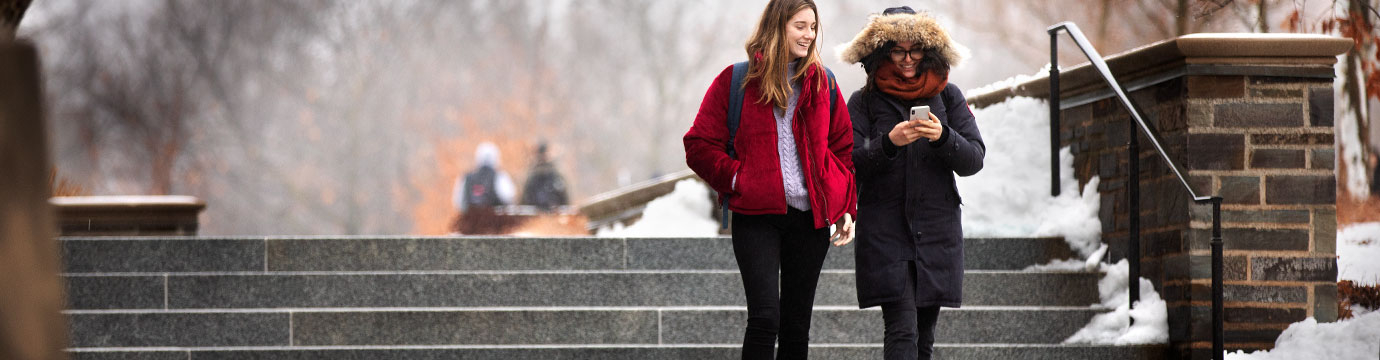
column 908, row 204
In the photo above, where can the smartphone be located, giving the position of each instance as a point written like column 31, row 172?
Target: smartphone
column 921, row 112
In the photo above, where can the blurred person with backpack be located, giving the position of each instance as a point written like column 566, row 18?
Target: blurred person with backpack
column 481, row 190
column 773, row 139
column 545, row 187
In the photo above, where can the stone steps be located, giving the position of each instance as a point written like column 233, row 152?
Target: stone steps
column 613, row 352
column 516, row 288
column 181, row 254
column 534, row 326
column 522, row 298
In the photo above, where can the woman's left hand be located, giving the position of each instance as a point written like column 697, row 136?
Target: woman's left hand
column 931, row 130
column 843, row 231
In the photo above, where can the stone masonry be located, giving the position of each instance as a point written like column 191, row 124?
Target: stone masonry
column 1251, row 125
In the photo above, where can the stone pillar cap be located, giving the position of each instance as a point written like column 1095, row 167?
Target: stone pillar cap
column 1232, row 49
column 1255, row 44
column 127, row 200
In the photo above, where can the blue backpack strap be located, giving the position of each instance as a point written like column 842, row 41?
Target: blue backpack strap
column 833, row 85
column 735, row 111
column 735, row 103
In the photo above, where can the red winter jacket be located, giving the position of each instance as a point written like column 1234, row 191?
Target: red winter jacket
column 824, row 142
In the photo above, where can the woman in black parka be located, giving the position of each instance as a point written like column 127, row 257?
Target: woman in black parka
column 909, row 236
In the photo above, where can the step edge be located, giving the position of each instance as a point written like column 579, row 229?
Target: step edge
column 823, row 308
column 571, row 346
column 511, row 272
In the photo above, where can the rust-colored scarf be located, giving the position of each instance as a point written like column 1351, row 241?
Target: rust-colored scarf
column 926, row 85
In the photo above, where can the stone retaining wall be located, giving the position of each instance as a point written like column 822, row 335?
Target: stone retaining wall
column 1253, row 127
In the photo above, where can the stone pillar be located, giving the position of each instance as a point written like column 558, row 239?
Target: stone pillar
column 1248, row 117
column 1272, row 141
column 31, row 322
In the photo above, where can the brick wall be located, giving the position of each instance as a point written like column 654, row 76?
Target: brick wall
column 1253, row 128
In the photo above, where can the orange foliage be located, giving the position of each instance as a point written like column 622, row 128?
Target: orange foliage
column 62, row 187
column 553, row 225
column 433, row 212
column 1350, row 293
column 514, row 120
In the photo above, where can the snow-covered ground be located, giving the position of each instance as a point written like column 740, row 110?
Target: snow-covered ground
column 1357, row 338
column 1358, row 253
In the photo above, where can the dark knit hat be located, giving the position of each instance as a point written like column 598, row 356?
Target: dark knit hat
column 898, row 10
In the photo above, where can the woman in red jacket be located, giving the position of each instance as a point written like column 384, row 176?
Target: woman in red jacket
column 791, row 178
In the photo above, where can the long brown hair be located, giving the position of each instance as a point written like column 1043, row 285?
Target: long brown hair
column 769, row 42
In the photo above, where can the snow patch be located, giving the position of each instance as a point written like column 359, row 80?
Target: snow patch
column 1358, row 253
column 1009, row 83
column 1356, row 338
column 685, row 212
column 1010, row 196
column 1148, row 323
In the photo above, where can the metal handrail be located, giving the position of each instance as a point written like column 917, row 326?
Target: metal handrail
column 1133, row 147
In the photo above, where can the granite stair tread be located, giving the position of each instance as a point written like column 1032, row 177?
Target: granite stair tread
column 389, row 297
column 517, row 288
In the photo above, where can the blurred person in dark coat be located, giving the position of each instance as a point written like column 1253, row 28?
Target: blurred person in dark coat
column 545, row 187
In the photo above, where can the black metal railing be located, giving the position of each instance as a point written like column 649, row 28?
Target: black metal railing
column 1133, row 178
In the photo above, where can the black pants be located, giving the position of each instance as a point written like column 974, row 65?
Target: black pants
column 790, row 244
column 909, row 329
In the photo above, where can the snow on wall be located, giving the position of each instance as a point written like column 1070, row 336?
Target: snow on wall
column 685, row 212
column 1010, row 196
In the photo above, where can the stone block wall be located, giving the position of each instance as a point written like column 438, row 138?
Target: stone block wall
column 1251, row 126
column 1276, row 176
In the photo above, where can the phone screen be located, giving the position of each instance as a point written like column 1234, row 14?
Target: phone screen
column 921, row 112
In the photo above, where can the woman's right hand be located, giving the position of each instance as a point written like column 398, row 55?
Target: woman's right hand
column 904, row 133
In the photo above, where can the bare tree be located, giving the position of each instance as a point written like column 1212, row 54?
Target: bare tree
column 1115, row 25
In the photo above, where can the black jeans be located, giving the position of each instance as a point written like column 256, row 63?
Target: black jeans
column 790, row 244
column 909, row 329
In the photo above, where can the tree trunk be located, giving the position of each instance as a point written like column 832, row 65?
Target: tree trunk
column 1360, row 10
column 1181, row 19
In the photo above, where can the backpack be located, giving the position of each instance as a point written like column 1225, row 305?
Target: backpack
column 479, row 188
column 735, row 111
column 545, row 188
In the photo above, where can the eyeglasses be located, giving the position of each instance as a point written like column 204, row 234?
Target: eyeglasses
column 898, row 54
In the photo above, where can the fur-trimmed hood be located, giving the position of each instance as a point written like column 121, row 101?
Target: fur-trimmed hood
column 920, row 28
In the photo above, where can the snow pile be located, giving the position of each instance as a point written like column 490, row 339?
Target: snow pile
column 1358, row 253
column 685, row 212
column 1151, row 319
column 1093, row 263
column 1357, row 338
column 1009, row 83
column 1010, row 196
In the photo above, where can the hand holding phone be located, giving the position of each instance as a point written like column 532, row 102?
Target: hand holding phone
column 928, row 127
column 920, row 125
